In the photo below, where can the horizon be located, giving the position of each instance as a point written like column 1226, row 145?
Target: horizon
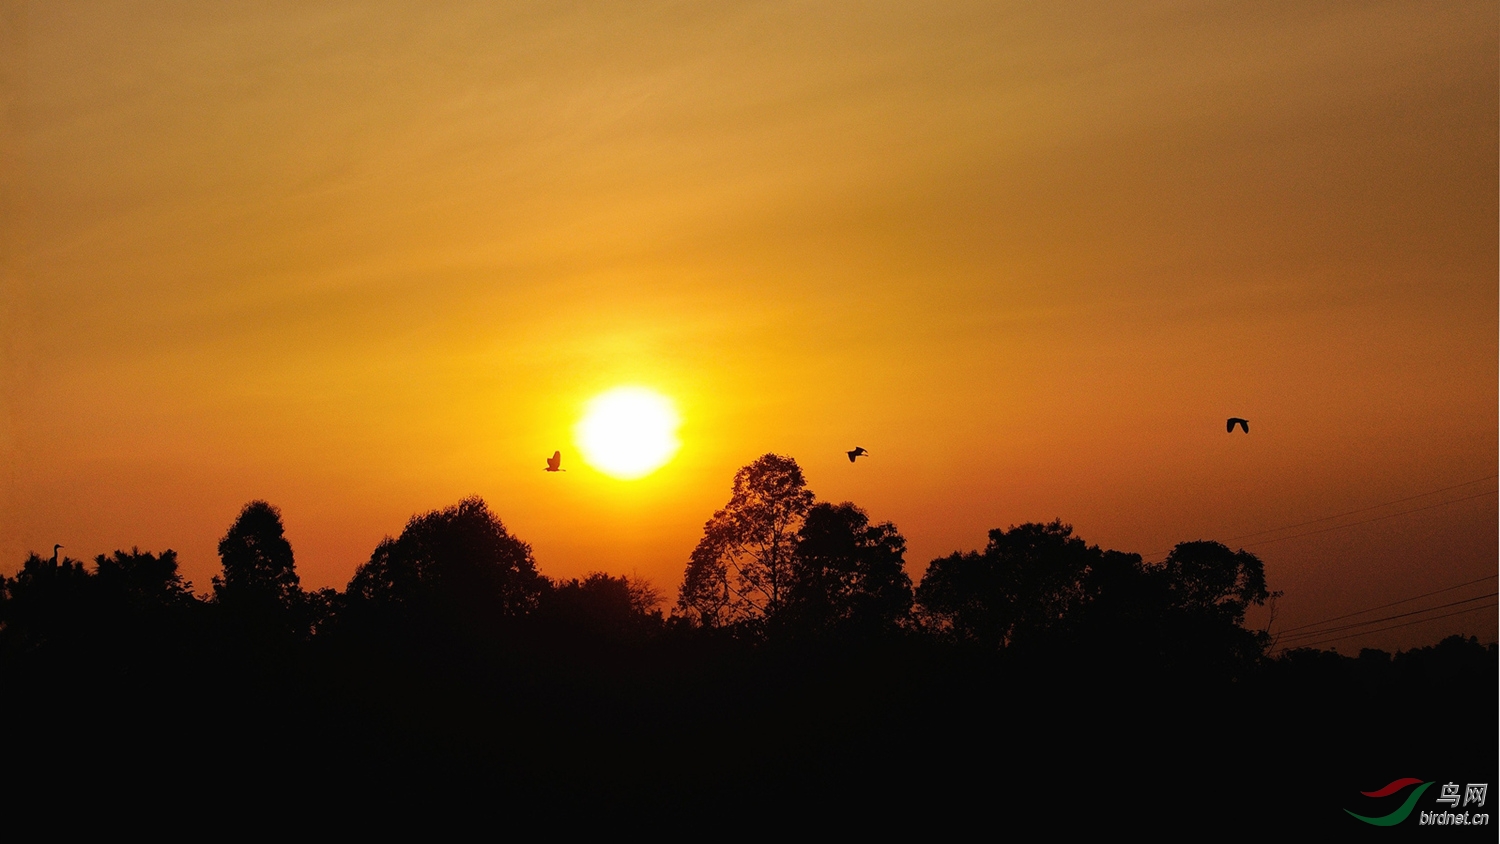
column 362, row 263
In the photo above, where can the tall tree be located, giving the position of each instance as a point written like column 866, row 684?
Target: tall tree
column 850, row 575
column 458, row 563
column 1209, row 588
column 1207, row 578
column 1025, row 583
column 742, row 569
column 259, row 572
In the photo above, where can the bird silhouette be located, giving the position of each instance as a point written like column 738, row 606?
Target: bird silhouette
column 54, row 554
column 554, row 463
column 857, row 452
column 1235, row 420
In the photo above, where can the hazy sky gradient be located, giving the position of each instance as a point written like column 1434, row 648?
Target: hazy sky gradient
column 364, row 259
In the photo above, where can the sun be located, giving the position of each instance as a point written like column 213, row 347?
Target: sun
column 628, row 432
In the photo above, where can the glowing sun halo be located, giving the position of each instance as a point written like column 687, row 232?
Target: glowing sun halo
column 628, row 432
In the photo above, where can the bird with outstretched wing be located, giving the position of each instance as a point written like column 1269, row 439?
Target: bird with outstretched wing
column 1235, row 420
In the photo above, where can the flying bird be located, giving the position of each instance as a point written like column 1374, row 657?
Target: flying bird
column 857, row 452
column 1235, row 420
column 554, row 463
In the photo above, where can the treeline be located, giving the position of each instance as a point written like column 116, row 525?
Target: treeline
column 775, row 568
column 798, row 663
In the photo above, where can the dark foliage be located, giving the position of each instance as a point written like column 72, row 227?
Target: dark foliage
column 456, row 568
column 1038, row 590
column 451, row 678
column 743, row 568
column 259, row 571
column 774, row 562
column 849, row 578
column 259, row 592
column 1026, row 584
column 132, row 601
column 49, row 603
column 143, row 581
column 602, row 604
column 1209, row 580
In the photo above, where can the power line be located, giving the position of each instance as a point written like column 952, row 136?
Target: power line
column 1391, row 604
column 1312, row 634
column 1356, row 512
column 1363, row 509
column 1395, row 626
column 1376, row 519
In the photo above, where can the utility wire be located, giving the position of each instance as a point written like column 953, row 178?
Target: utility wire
column 1313, row 634
column 1367, row 521
column 1356, row 512
column 1349, row 525
column 1394, row 626
column 1391, row 604
column 1363, row 509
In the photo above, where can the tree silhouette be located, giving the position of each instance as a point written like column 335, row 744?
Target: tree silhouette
column 1024, row 584
column 129, row 598
column 603, row 604
column 458, row 564
column 259, row 592
column 850, row 575
column 259, row 571
column 143, row 580
column 1209, row 579
column 47, row 602
column 742, row 569
column 1042, row 589
column 1208, row 589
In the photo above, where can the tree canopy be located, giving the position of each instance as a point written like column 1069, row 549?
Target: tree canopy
column 742, row 569
column 1025, row 582
column 850, row 574
column 1038, row 588
column 259, row 569
column 1208, row 578
column 459, row 562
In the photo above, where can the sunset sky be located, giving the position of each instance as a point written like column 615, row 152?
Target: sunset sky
column 362, row 260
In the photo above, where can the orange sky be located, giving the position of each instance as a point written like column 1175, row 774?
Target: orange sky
column 364, row 259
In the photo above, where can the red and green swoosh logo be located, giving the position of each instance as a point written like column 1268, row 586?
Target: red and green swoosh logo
column 1401, row 813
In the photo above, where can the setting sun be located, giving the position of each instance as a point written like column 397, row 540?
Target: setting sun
column 628, row 432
